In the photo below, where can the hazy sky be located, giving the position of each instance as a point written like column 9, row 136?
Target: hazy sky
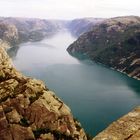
column 68, row 9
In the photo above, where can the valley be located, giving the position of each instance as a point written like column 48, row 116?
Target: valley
column 91, row 90
column 92, row 64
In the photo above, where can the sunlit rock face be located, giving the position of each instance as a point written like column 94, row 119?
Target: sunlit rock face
column 29, row 110
column 115, row 43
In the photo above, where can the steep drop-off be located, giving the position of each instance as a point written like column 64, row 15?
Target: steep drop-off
column 30, row 111
column 114, row 43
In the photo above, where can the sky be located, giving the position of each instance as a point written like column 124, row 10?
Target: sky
column 68, row 9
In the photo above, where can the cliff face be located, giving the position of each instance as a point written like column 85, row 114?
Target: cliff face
column 114, row 43
column 126, row 128
column 9, row 33
column 30, row 111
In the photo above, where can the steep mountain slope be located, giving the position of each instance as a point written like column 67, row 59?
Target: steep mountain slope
column 30, row 111
column 114, row 43
column 80, row 26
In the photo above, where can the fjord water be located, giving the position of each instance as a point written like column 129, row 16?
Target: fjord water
column 96, row 95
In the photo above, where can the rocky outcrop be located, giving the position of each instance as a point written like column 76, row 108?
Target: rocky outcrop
column 9, row 33
column 30, row 111
column 114, row 43
column 126, row 128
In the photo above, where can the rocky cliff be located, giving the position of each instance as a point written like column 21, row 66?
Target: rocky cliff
column 114, row 43
column 126, row 128
column 9, row 33
column 30, row 111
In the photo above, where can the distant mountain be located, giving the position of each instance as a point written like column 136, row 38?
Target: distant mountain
column 25, row 29
column 80, row 26
column 115, row 43
column 18, row 30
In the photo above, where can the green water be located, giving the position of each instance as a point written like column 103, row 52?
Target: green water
column 96, row 95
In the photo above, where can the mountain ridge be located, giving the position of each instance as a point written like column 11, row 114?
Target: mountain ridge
column 114, row 43
column 33, row 29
